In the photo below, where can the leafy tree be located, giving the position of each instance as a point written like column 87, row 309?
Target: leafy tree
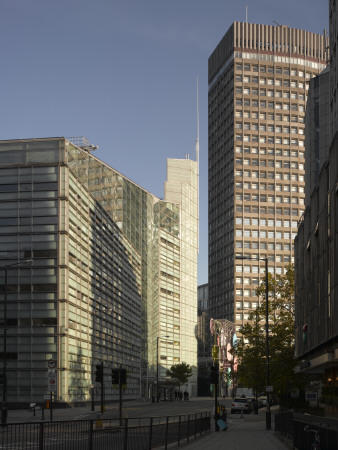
column 251, row 349
column 180, row 373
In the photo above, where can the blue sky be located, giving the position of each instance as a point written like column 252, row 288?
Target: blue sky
column 123, row 74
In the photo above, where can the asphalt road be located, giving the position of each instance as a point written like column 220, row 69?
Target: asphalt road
column 67, row 431
column 131, row 409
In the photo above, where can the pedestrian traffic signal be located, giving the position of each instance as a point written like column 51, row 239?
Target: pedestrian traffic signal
column 99, row 373
column 115, row 376
column 214, row 375
column 123, row 376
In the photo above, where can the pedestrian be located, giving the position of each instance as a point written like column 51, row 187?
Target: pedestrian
column 224, row 413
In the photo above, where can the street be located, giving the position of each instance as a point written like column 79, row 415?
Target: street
column 131, row 409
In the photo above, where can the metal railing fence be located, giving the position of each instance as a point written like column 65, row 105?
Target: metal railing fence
column 301, row 428
column 104, row 434
column 284, row 424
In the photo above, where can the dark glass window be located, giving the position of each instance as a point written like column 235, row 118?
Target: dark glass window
column 44, row 322
column 9, row 221
column 9, row 355
column 8, row 187
column 44, row 288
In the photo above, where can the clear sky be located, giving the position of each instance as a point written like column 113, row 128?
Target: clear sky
column 123, row 74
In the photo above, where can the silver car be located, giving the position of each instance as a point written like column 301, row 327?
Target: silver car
column 240, row 405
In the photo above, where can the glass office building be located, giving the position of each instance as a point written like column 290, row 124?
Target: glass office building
column 106, row 279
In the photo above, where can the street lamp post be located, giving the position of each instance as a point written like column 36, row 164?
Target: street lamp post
column 267, row 345
column 4, row 367
column 158, row 338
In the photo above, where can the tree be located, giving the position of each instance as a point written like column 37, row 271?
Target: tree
column 251, row 349
column 180, row 373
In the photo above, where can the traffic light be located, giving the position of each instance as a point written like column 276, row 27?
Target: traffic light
column 99, row 373
column 115, row 376
column 123, row 376
column 214, row 375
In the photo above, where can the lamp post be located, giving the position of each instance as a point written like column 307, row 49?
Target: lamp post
column 158, row 338
column 4, row 367
column 268, row 411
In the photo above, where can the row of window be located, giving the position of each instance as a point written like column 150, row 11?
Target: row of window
column 247, row 304
column 273, row 81
column 263, row 210
column 265, row 222
column 269, row 163
column 265, row 234
column 271, row 105
column 271, row 175
column 255, row 245
column 293, row 61
column 269, row 140
column 278, row 117
column 269, row 199
column 271, row 187
column 270, row 128
column 270, row 151
column 271, row 69
column 269, row 93
column 256, row 269
column 272, row 259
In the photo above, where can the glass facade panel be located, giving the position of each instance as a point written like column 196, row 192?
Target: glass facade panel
column 106, row 254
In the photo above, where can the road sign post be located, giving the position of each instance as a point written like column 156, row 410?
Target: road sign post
column 52, row 382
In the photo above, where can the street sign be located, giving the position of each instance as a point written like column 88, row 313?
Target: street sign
column 311, row 396
column 51, row 364
column 52, row 384
column 269, row 389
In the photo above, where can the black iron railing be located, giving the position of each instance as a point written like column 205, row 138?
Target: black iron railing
column 104, row 434
column 304, row 429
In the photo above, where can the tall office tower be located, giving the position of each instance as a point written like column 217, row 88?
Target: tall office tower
column 181, row 188
column 258, row 80
column 113, row 278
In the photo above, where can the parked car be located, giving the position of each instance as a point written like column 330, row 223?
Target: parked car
column 252, row 402
column 239, row 405
column 263, row 399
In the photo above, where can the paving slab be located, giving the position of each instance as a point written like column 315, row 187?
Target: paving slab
column 247, row 433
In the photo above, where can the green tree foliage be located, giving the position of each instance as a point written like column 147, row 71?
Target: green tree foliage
column 180, row 373
column 252, row 349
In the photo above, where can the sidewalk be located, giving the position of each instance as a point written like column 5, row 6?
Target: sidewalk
column 243, row 434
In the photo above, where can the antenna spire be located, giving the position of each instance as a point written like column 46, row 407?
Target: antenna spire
column 198, row 131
